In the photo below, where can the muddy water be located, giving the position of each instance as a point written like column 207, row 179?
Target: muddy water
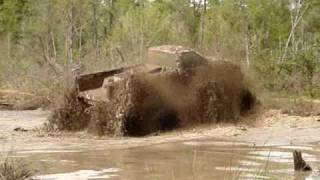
column 205, row 159
column 74, row 158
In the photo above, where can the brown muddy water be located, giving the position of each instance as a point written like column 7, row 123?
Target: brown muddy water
column 167, row 156
column 200, row 159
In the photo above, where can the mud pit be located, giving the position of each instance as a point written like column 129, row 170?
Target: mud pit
column 225, row 151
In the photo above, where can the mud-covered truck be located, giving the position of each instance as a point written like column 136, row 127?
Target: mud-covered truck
column 174, row 87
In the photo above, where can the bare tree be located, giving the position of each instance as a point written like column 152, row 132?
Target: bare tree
column 70, row 31
column 296, row 6
column 95, row 28
column 203, row 22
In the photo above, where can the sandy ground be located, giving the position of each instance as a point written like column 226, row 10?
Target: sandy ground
column 20, row 131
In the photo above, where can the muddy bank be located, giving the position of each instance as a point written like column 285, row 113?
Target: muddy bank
column 17, row 100
column 28, row 120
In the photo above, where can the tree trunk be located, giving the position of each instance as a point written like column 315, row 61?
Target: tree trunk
column 9, row 45
column 70, row 33
column 203, row 22
column 95, row 29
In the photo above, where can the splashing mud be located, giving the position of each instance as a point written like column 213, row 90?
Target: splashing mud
column 142, row 103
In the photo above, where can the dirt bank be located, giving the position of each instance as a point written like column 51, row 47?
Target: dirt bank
column 16, row 100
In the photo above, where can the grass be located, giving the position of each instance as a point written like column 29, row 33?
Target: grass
column 293, row 106
column 14, row 169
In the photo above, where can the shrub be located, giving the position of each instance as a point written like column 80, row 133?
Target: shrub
column 14, row 169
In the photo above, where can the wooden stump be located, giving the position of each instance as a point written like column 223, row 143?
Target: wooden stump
column 299, row 163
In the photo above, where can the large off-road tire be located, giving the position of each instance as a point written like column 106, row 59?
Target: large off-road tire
column 210, row 103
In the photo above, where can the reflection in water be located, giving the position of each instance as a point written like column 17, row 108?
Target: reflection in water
column 254, row 176
column 297, row 147
column 182, row 160
column 81, row 175
column 280, row 156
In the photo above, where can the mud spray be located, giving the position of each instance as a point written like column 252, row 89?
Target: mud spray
column 145, row 103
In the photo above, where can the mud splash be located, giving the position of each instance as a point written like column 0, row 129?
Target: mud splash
column 176, row 87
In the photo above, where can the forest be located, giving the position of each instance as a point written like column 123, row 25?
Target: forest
column 276, row 41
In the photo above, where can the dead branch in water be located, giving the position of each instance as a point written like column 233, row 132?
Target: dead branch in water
column 299, row 163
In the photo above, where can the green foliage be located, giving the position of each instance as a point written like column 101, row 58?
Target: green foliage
column 12, row 13
column 270, row 22
column 34, row 34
